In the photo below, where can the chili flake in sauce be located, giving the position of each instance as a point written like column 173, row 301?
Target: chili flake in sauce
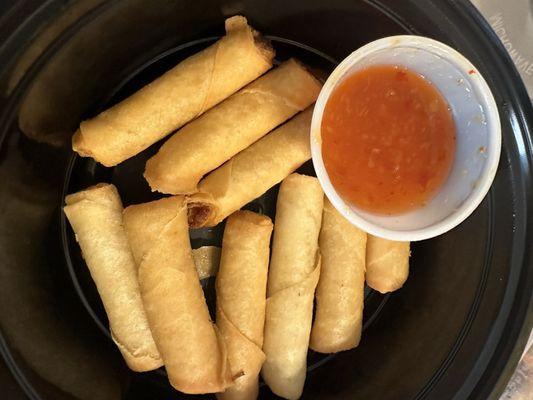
column 388, row 139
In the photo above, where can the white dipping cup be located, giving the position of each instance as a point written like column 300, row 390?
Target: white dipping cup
column 478, row 141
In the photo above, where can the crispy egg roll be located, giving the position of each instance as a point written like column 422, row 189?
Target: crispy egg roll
column 241, row 297
column 387, row 264
column 181, row 94
column 194, row 354
column 340, row 291
column 292, row 279
column 251, row 172
column 96, row 218
column 230, row 127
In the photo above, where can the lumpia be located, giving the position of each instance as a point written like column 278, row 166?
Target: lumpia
column 293, row 276
column 193, row 352
column 251, row 172
column 181, row 94
column 230, row 127
column 96, row 218
column 241, row 297
column 340, row 291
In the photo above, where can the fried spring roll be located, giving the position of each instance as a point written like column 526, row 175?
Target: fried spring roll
column 251, row 172
column 181, row 94
column 230, row 127
column 340, row 290
column 293, row 276
column 387, row 264
column 96, row 218
column 193, row 352
column 241, row 297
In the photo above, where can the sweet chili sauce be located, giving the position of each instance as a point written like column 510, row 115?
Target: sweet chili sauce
column 388, row 139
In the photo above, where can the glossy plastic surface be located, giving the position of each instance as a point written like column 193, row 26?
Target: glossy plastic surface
column 455, row 331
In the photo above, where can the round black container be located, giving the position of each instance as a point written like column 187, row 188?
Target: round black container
column 455, row 331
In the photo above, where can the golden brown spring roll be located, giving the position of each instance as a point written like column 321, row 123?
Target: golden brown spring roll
column 251, row 172
column 292, row 279
column 181, row 94
column 96, row 218
column 193, row 352
column 230, row 127
column 387, row 264
column 340, row 290
column 241, row 297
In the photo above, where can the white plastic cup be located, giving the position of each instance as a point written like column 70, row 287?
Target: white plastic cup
column 478, row 140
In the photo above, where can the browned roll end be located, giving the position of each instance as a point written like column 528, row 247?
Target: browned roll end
column 79, row 146
column 198, row 214
column 262, row 44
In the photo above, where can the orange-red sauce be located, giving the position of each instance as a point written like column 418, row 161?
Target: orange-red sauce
column 388, row 139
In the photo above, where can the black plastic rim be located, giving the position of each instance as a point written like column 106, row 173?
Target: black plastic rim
column 374, row 302
column 500, row 355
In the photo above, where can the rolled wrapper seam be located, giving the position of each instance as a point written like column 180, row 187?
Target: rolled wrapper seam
column 192, row 349
column 232, row 126
column 96, row 218
column 138, row 358
column 282, row 305
column 340, row 291
column 241, row 299
column 247, row 346
column 252, row 172
column 293, row 274
column 178, row 96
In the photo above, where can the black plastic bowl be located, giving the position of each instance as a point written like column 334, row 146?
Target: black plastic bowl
column 455, row 331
